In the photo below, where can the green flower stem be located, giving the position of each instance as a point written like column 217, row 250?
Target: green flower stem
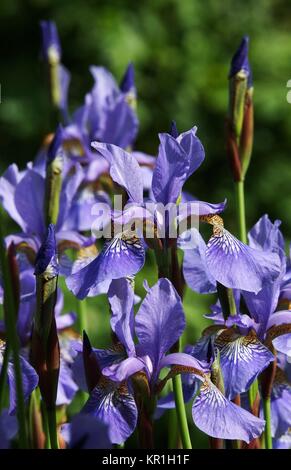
column 173, row 436
column 240, row 210
column 45, row 426
column 181, row 412
column 10, row 315
column 267, row 416
column 163, row 258
column 52, row 425
column 231, row 301
column 83, row 326
column 53, row 186
column 82, row 315
column 36, row 421
column 241, row 215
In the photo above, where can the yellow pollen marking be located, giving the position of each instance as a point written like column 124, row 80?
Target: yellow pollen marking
column 216, row 221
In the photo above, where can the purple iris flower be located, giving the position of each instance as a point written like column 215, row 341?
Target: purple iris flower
column 158, row 324
column 22, row 195
column 229, row 261
column 160, row 311
column 244, row 340
column 124, row 255
column 264, row 237
column 242, row 356
column 224, row 258
column 105, row 116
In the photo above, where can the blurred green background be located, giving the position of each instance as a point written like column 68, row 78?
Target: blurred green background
column 181, row 50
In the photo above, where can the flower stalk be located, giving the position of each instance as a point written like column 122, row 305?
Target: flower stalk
column 267, row 416
column 165, row 259
column 45, row 344
column 53, row 178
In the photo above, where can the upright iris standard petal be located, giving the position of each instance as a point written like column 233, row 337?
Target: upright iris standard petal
column 109, row 116
column 113, row 405
column 124, row 169
column 121, row 299
column 242, row 359
column 220, row 418
column 238, row 266
column 69, row 194
column 160, row 321
column 29, row 201
column 8, row 183
column 171, row 170
column 120, row 257
column 193, row 148
column 267, row 235
column 120, row 125
column 262, row 305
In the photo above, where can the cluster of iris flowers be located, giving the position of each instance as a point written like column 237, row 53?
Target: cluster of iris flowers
column 237, row 374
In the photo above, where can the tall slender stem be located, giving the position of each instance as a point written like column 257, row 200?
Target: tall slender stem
column 52, row 425
column 82, row 315
column 181, row 412
column 241, row 217
column 83, row 325
column 240, row 209
column 164, row 260
column 45, row 426
column 267, row 416
column 173, row 436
